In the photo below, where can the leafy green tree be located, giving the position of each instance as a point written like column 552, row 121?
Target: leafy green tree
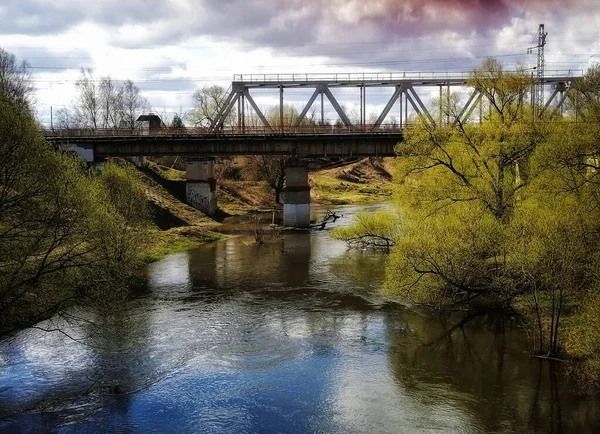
column 66, row 235
column 371, row 230
column 208, row 102
column 506, row 210
column 45, row 239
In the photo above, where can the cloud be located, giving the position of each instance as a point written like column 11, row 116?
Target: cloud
column 196, row 42
column 272, row 23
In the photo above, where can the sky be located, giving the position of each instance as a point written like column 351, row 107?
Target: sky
column 170, row 48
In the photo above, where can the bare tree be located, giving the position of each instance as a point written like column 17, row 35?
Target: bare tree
column 110, row 96
column 87, row 106
column 15, row 80
column 66, row 119
column 108, row 104
column 270, row 169
column 133, row 104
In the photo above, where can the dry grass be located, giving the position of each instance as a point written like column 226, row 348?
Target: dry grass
column 360, row 182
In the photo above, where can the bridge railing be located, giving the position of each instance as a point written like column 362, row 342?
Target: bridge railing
column 227, row 130
column 376, row 76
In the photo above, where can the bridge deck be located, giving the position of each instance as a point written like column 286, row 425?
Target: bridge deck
column 113, row 143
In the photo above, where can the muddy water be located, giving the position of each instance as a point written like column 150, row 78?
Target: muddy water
column 290, row 336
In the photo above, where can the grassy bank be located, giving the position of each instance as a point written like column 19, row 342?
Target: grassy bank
column 177, row 240
column 364, row 181
column 177, row 227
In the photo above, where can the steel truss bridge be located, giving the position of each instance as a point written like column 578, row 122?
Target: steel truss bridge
column 347, row 138
column 404, row 85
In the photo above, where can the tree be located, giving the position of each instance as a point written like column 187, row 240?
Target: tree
column 15, row 80
column 65, row 235
column 87, row 106
column 208, row 102
column 104, row 104
column 506, row 210
column 462, row 183
column 584, row 97
column 66, row 119
column 272, row 168
column 177, row 122
column 132, row 104
column 370, row 230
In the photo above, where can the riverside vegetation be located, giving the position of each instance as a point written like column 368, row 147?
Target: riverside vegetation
column 68, row 234
column 504, row 211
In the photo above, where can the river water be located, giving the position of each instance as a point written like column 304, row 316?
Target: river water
column 286, row 337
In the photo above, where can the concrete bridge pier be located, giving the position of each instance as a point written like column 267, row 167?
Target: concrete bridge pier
column 201, row 186
column 296, row 196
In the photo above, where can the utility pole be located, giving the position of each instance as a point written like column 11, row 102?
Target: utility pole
column 539, row 91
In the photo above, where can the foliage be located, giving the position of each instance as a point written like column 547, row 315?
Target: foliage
column 177, row 122
column 505, row 210
column 65, row 234
column 377, row 230
column 585, row 96
column 208, row 102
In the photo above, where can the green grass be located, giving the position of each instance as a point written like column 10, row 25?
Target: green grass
column 176, row 241
column 166, row 172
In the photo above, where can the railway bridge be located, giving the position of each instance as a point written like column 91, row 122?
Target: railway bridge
column 241, row 128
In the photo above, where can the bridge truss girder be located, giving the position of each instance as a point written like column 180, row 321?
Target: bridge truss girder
column 405, row 93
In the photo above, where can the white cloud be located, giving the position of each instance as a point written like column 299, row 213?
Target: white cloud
column 171, row 47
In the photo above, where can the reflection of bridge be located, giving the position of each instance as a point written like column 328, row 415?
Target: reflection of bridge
column 235, row 132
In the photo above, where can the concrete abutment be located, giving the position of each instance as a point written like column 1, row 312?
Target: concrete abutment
column 296, row 196
column 201, row 186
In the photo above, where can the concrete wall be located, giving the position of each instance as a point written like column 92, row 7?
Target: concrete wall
column 201, row 187
column 296, row 197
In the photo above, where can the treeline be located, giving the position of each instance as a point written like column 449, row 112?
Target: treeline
column 67, row 234
column 102, row 103
column 505, row 210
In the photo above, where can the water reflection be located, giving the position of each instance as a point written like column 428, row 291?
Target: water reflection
column 289, row 336
column 479, row 362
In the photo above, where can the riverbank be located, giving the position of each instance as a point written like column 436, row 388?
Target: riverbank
column 293, row 331
column 367, row 180
column 179, row 227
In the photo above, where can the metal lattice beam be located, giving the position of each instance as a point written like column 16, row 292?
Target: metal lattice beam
column 389, row 105
column 468, row 109
column 403, row 84
column 259, row 113
column 307, row 107
column 337, row 107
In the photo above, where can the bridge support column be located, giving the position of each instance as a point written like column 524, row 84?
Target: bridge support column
column 201, row 186
column 296, row 196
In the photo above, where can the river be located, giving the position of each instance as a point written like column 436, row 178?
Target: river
column 286, row 337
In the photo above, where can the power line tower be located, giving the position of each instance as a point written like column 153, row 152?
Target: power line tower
column 538, row 99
